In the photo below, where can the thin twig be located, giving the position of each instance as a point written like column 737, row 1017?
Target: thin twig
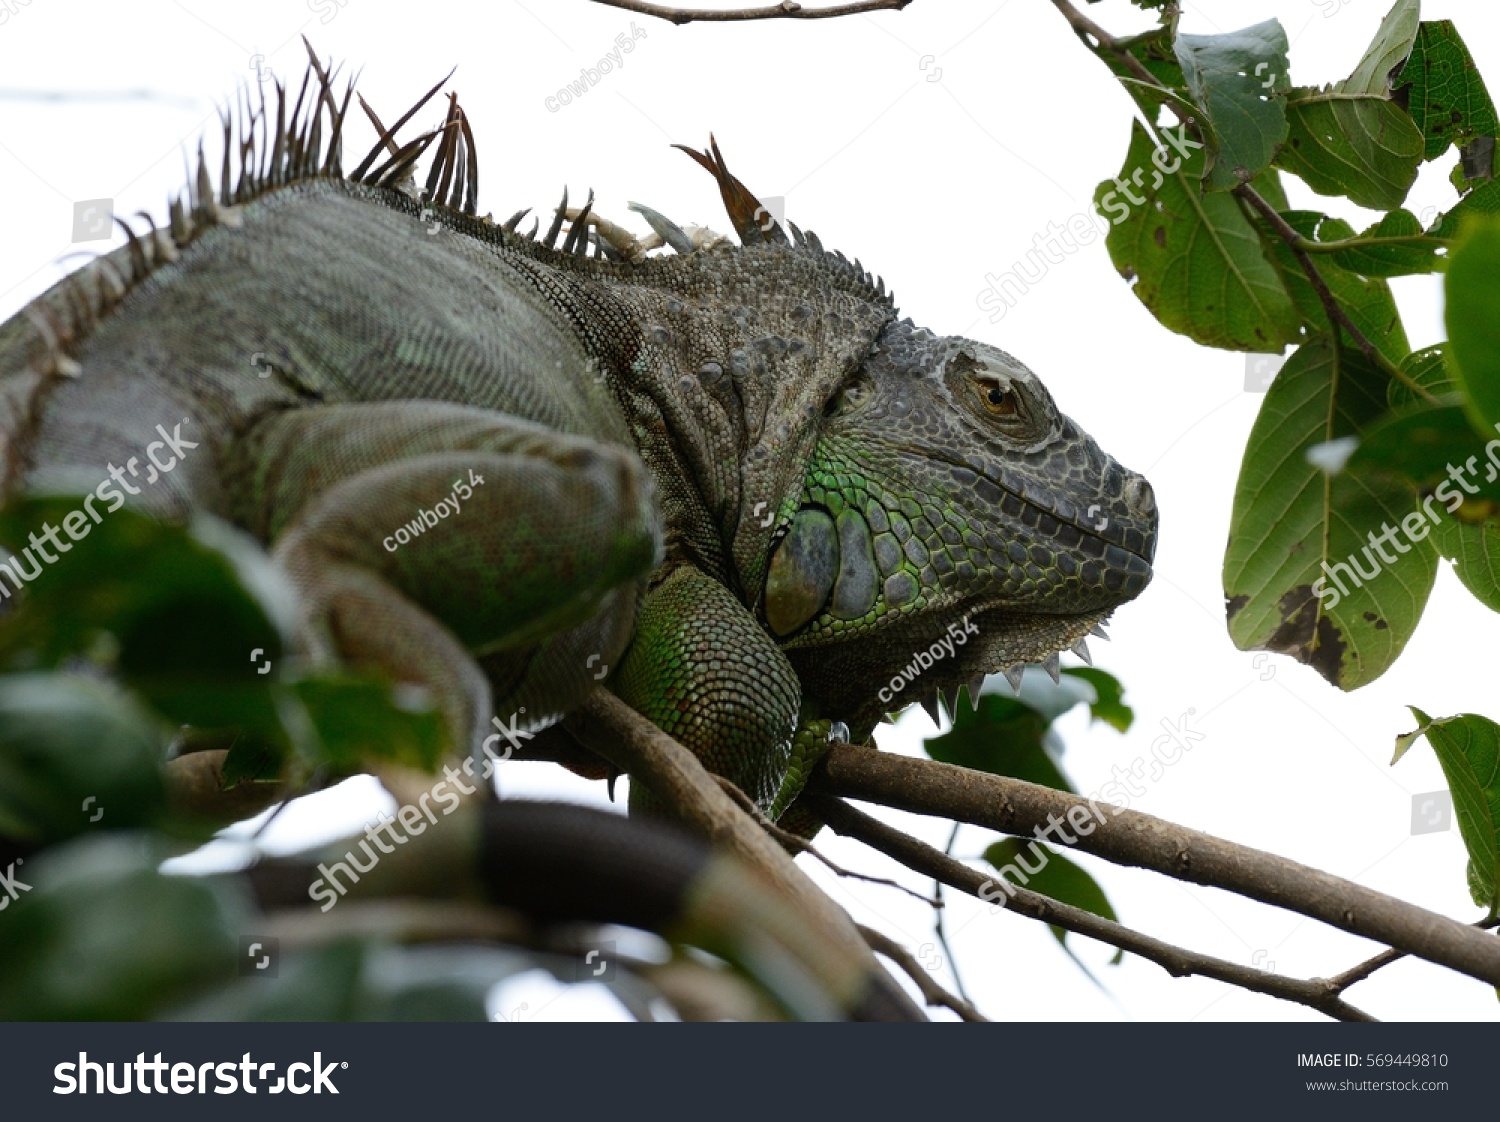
column 1103, row 41
column 940, row 918
column 1331, row 307
column 1177, row 961
column 794, row 845
column 933, row 993
column 785, row 10
column 1128, row 837
column 1341, row 982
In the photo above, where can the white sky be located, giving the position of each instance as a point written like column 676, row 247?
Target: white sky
column 932, row 183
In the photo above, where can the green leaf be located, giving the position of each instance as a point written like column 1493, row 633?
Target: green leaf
column 180, row 609
column 1061, row 879
column 1445, row 93
column 1397, row 247
column 1473, row 292
column 1196, row 260
column 103, row 936
column 1109, row 697
column 1428, row 368
column 1432, row 446
column 1468, row 749
column 1237, row 79
column 367, row 980
column 1481, row 203
column 75, row 755
column 363, row 718
column 1367, row 301
column 1474, row 549
column 1351, row 138
column 1001, row 737
column 1284, row 528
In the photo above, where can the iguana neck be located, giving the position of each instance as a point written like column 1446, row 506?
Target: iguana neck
column 722, row 363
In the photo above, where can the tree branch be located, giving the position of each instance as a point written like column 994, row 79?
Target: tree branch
column 933, row 993
column 1337, row 317
column 785, row 10
column 1103, row 41
column 636, row 746
column 796, row 845
column 1341, row 982
column 1176, row 961
column 1128, row 837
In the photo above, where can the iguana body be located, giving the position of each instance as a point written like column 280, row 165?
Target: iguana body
column 729, row 483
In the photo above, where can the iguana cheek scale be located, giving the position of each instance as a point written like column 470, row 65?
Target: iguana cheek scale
column 731, row 476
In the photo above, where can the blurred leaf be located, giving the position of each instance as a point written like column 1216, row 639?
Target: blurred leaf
column 1468, row 748
column 1109, row 704
column 103, row 936
column 75, row 755
column 360, row 718
column 1285, row 526
column 1196, row 261
column 1059, row 878
column 1445, row 93
column 1419, row 445
column 1003, row 737
column 1473, row 292
column 366, row 980
column 1236, row 78
column 1351, row 138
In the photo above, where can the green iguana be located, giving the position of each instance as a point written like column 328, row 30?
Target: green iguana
column 726, row 481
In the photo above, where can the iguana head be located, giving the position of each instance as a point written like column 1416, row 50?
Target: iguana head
column 949, row 510
column 932, row 516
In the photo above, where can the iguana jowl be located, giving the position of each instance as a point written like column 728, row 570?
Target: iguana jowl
column 730, row 478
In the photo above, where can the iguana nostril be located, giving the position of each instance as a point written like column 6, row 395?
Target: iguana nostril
column 1139, row 496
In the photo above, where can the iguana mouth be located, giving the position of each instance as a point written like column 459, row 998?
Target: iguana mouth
column 1092, row 522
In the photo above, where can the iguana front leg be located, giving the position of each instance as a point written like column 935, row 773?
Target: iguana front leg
column 705, row 672
column 518, row 588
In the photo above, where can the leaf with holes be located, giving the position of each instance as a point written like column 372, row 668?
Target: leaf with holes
column 1351, row 138
column 1445, row 94
column 1289, row 570
column 1197, row 262
column 1237, row 79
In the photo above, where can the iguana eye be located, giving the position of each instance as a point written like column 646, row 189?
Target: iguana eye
column 998, row 399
